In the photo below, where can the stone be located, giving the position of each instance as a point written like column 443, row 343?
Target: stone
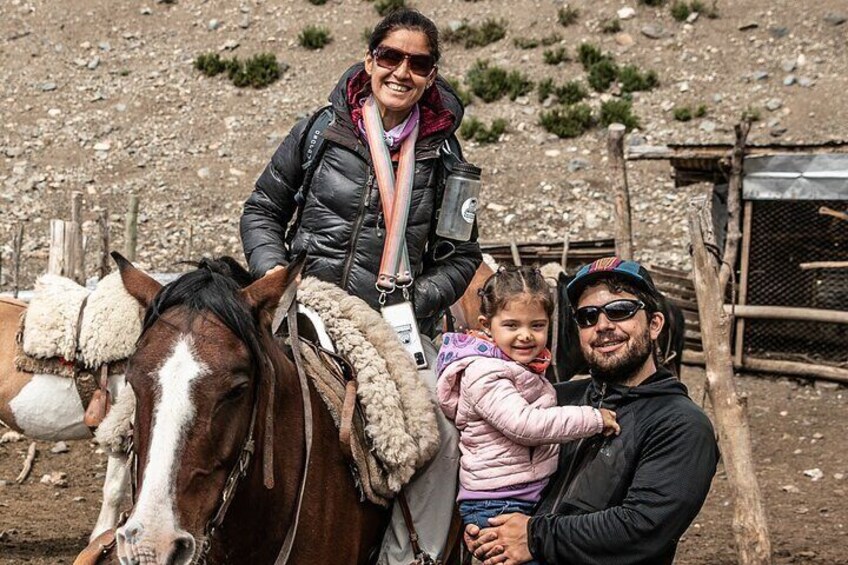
column 827, row 385
column 778, row 131
column 778, row 32
column 55, row 479
column 806, row 82
column 230, row 45
column 213, row 25
column 835, row 18
column 577, row 165
column 11, row 437
column 717, row 98
column 48, row 87
column 759, row 75
column 552, row 152
column 789, row 80
column 454, row 25
column 684, row 86
column 774, row 104
column 653, row 31
column 626, row 13
column 508, row 219
column 692, row 18
column 60, row 447
column 708, row 126
column 54, row 112
column 496, row 207
column 624, row 39
column 145, row 11
column 814, row 474
column 203, row 172
column 102, row 146
column 788, row 65
column 791, row 489
column 93, row 63
column 749, row 26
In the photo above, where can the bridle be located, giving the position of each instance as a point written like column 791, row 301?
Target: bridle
column 245, row 458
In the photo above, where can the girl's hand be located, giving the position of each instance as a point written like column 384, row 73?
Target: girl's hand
column 611, row 427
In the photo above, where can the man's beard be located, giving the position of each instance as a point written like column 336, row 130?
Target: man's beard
column 618, row 368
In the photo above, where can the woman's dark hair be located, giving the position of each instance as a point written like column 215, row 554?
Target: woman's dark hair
column 404, row 18
column 510, row 282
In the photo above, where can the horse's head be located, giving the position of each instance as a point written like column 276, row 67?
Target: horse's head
column 196, row 374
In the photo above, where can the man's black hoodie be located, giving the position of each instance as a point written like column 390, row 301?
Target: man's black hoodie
column 626, row 500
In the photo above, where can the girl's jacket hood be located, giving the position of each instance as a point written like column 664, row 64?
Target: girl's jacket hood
column 457, row 352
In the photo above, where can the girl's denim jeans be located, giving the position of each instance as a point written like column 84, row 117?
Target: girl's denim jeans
column 479, row 511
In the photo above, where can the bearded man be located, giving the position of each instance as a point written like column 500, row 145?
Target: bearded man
column 626, row 499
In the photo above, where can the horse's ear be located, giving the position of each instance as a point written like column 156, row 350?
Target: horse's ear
column 266, row 293
column 139, row 284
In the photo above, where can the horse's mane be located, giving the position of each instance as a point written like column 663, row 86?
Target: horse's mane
column 212, row 287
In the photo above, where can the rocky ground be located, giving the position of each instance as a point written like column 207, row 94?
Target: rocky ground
column 102, row 97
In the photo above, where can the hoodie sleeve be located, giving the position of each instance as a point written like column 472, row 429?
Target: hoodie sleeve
column 497, row 400
column 669, row 487
column 270, row 207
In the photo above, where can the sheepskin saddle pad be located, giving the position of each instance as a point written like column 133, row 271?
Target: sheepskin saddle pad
column 397, row 410
column 67, row 323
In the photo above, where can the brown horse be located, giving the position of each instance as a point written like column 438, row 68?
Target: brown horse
column 209, row 377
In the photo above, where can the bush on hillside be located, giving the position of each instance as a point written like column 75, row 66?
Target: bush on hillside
column 589, row 54
column 618, row 111
column 474, row 129
column 568, row 121
column 555, row 56
column 634, row 80
column 386, row 7
column 491, row 83
column 567, row 15
column 314, row 37
column 257, row 71
column 602, row 74
column 611, row 25
column 476, row 35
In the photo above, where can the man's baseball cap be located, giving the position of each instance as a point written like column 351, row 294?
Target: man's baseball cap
column 603, row 268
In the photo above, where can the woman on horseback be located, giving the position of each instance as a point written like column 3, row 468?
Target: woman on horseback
column 390, row 125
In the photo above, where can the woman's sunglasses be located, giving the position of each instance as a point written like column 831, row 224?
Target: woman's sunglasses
column 390, row 58
column 615, row 311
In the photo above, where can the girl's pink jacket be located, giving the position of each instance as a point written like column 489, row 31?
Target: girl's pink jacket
column 508, row 421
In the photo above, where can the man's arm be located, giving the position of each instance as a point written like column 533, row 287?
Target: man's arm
column 270, row 207
column 668, row 489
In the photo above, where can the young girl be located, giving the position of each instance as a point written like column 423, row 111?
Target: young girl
column 492, row 385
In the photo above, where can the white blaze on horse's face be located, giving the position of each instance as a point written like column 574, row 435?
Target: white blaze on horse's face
column 153, row 529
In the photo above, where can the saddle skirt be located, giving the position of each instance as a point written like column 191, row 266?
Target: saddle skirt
column 398, row 420
column 66, row 321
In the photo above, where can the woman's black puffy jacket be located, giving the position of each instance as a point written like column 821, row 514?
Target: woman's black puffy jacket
column 342, row 227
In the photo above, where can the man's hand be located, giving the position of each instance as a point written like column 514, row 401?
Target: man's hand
column 504, row 542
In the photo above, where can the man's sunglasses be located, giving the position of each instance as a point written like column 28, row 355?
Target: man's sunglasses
column 390, row 58
column 615, row 311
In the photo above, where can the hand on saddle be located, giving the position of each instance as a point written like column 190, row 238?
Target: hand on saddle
column 504, row 542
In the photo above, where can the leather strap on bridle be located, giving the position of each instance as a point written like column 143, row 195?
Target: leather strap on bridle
column 346, row 423
column 288, row 543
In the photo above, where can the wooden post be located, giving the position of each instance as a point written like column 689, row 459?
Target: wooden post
column 189, row 242
column 563, row 260
column 103, row 224
column 734, row 205
column 516, row 256
column 17, row 247
column 131, row 228
column 76, row 259
column 744, row 268
column 749, row 520
column 623, row 233
column 60, row 247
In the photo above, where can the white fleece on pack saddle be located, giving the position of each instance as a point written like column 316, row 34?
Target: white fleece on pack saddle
column 399, row 411
column 110, row 323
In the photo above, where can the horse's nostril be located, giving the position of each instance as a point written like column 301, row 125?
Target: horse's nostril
column 183, row 549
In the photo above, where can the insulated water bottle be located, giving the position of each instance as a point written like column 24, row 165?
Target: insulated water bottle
column 459, row 205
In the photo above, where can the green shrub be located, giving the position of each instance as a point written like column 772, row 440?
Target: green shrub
column 474, row 129
column 589, row 54
column 549, row 40
column 569, row 121
column 571, row 92
column 545, row 89
column 314, row 37
column 385, row 7
column 463, row 93
column 634, row 80
column 682, row 113
column 602, row 74
column 680, row 11
column 610, row 25
column 477, row 36
column 701, row 111
column 567, row 15
column 317, row 2
column 525, row 42
column 257, row 72
column 493, row 83
column 210, row 64
column 752, row 114
column 555, row 56
column 618, row 111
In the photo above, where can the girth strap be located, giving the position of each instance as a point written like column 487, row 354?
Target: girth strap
column 421, row 557
column 288, row 543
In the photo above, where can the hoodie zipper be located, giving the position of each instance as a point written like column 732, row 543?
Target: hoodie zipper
column 568, row 476
column 354, row 236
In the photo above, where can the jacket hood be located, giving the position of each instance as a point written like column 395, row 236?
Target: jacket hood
column 661, row 383
column 439, row 98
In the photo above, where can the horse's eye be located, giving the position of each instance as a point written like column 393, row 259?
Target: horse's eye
column 236, row 392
